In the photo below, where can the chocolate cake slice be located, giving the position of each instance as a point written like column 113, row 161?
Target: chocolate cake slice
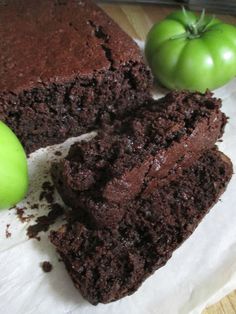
column 137, row 155
column 65, row 68
column 109, row 264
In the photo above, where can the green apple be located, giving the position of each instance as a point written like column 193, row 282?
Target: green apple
column 13, row 168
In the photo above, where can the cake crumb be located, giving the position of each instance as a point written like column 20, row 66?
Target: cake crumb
column 58, row 153
column 35, row 206
column 44, row 222
column 20, row 212
column 7, row 232
column 46, row 266
column 47, row 192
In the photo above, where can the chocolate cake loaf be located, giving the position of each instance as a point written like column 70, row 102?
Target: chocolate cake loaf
column 137, row 155
column 109, row 264
column 65, row 67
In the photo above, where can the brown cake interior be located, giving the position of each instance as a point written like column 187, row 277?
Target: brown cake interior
column 137, row 154
column 108, row 264
column 65, row 68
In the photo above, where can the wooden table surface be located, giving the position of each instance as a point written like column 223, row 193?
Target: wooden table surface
column 136, row 20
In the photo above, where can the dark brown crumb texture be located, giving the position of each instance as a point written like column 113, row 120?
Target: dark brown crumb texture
column 109, row 264
column 22, row 216
column 47, row 192
column 141, row 187
column 7, row 232
column 65, row 68
column 44, row 222
column 46, row 266
column 137, row 155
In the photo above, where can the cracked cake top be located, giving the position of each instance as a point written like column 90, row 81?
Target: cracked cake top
column 41, row 42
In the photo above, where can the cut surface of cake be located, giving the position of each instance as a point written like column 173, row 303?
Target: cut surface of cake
column 65, row 68
column 109, row 264
column 137, row 155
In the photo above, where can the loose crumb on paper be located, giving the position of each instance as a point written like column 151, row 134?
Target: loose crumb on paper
column 44, row 222
column 7, row 232
column 20, row 212
column 46, row 266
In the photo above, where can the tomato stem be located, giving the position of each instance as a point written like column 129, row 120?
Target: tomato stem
column 194, row 29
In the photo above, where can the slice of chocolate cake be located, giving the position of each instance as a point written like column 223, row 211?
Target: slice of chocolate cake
column 137, row 155
column 109, row 264
column 65, row 67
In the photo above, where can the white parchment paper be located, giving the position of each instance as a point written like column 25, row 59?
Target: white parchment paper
column 200, row 272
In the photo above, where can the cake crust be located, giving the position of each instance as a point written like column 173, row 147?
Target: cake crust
column 65, row 69
column 109, row 264
column 66, row 42
column 137, row 155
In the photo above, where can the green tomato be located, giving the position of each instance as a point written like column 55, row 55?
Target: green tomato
column 13, row 168
column 187, row 52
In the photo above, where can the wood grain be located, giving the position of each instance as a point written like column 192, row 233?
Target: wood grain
column 226, row 306
column 137, row 20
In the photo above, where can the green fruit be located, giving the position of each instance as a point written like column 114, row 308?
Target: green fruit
column 187, row 52
column 13, row 168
